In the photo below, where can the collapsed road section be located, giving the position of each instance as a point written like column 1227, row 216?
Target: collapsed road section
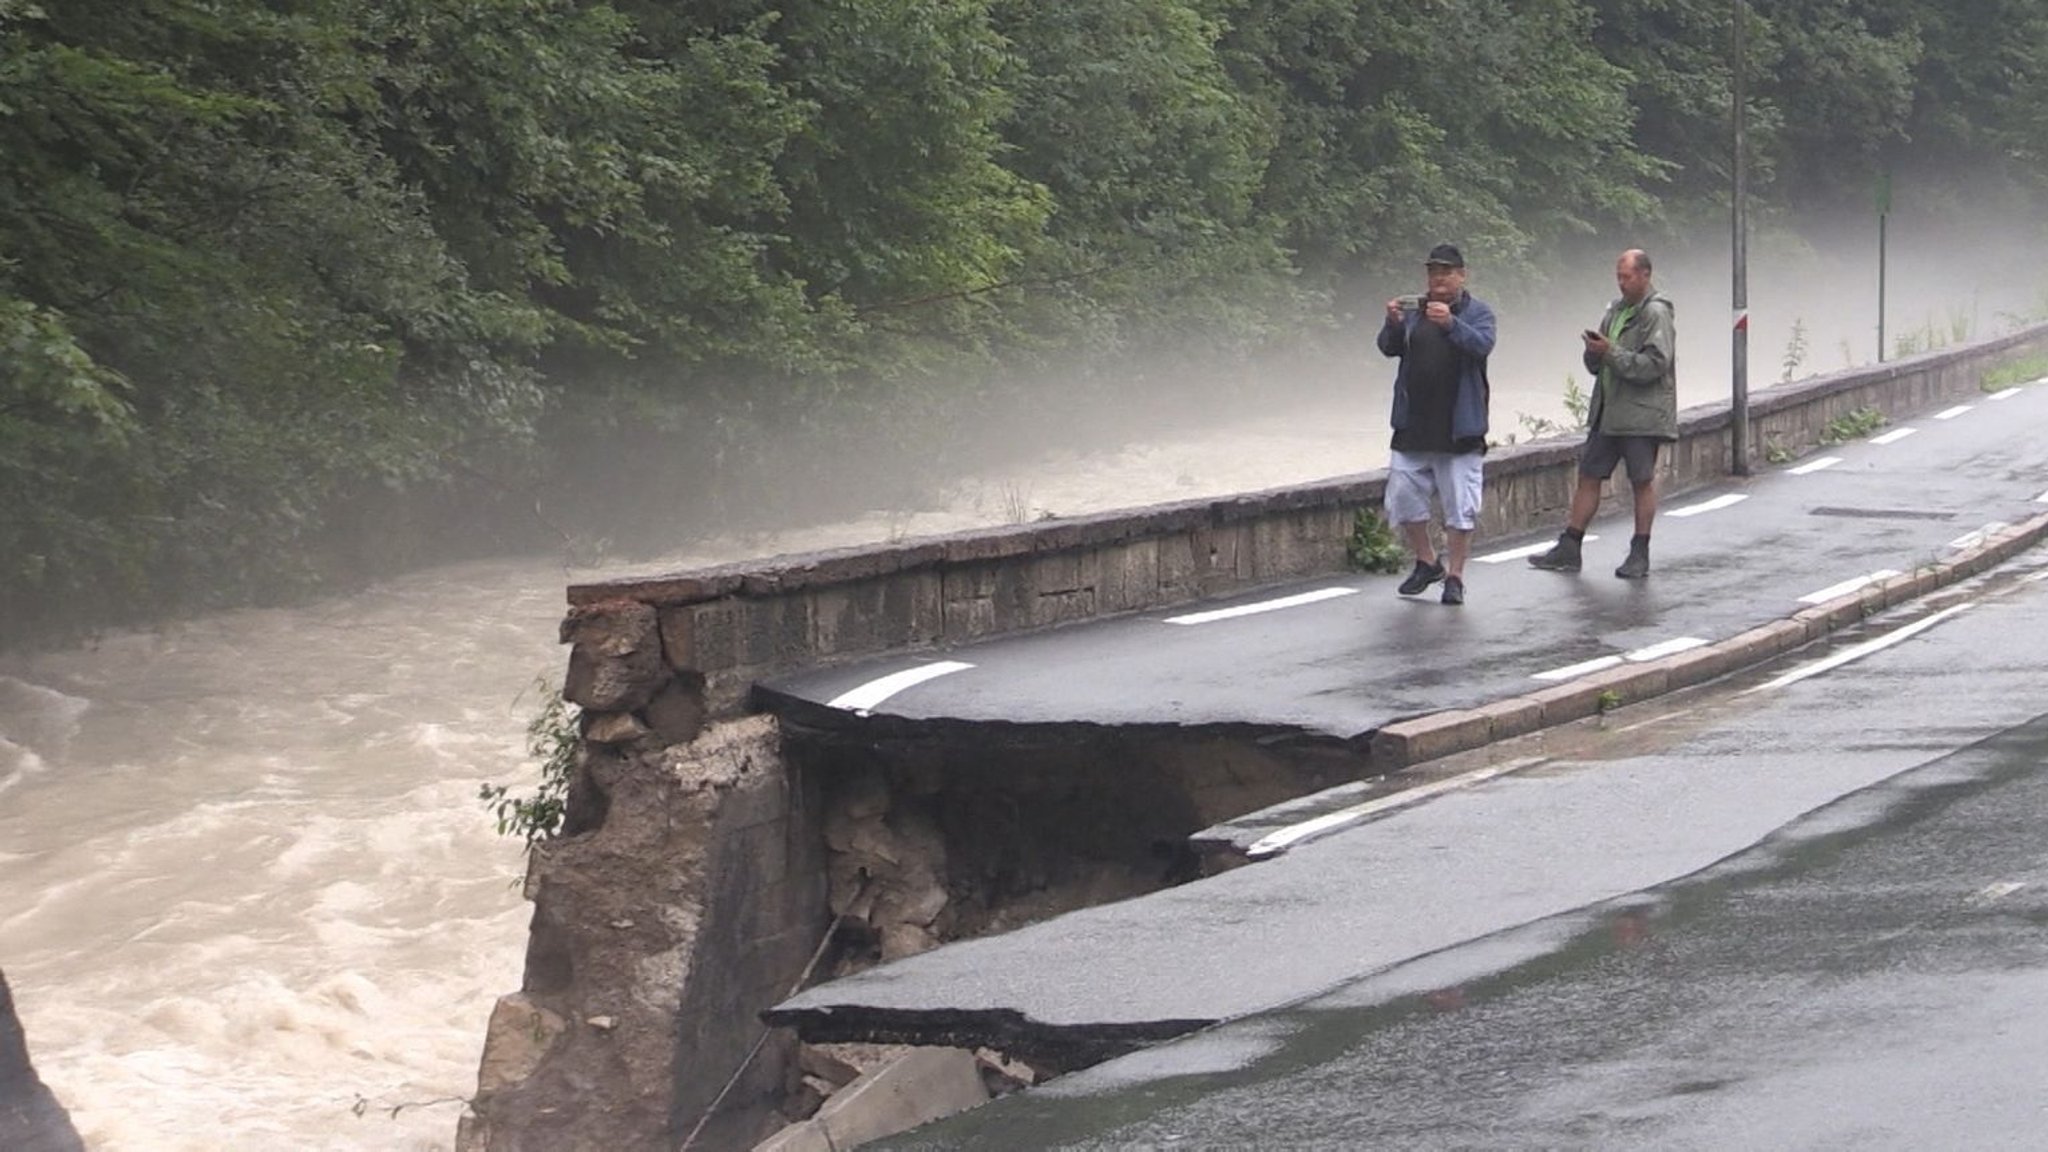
column 943, row 832
column 699, row 883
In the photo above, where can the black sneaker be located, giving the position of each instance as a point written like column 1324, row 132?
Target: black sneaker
column 1562, row 557
column 1454, row 590
column 1423, row 576
column 1636, row 566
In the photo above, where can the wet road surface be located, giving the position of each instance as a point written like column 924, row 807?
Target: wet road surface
column 1351, row 656
column 1875, row 976
column 1450, row 986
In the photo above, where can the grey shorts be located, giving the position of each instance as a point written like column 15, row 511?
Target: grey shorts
column 1601, row 453
column 1456, row 479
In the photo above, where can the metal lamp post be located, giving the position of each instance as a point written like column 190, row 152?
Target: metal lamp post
column 1739, row 358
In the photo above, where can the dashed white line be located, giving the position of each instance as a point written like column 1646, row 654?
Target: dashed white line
column 1670, row 647
column 2042, row 498
column 1816, row 465
column 1859, row 651
column 1714, row 505
column 1972, row 539
column 1525, row 550
column 1294, row 601
column 1571, row 671
column 1847, row 586
column 1894, row 436
column 1276, row 842
column 1655, row 651
column 1952, row 413
column 2007, row 394
column 872, row 693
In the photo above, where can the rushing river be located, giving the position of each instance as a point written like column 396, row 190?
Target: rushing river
column 248, row 896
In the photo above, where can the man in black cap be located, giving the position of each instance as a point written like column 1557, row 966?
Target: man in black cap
column 1441, row 393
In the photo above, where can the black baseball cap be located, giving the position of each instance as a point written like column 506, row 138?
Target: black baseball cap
column 1446, row 255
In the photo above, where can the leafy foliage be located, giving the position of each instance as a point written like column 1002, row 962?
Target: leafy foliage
column 551, row 739
column 1854, row 425
column 1371, row 546
column 1795, row 351
column 286, row 285
column 2023, row 371
column 1578, row 405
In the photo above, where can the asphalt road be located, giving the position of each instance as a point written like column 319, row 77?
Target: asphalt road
column 1726, row 558
column 1804, row 909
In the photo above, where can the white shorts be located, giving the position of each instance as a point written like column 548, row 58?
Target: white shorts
column 1457, row 480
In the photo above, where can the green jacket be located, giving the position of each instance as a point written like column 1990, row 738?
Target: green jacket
column 1636, row 393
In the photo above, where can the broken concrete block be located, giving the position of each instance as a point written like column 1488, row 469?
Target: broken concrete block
column 615, row 663
column 925, row 1084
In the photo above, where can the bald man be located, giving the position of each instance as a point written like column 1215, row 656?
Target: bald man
column 1633, row 412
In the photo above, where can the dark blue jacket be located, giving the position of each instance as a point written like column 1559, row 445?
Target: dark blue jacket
column 1471, row 333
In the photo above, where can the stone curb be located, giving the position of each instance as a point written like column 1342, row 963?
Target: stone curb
column 1406, row 743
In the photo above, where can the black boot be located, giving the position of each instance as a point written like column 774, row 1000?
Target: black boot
column 1562, row 557
column 1637, row 565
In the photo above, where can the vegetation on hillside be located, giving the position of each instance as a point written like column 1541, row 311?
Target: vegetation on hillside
column 282, row 283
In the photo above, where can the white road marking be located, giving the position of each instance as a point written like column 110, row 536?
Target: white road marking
column 2008, row 394
column 1276, row 842
column 1995, row 892
column 1817, row 465
column 1655, row 651
column 1294, row 601
column 1667, row 648
column 1829, row 663
column 1972, row 539
column 872, row 693
column 1894, row 436
column 1717, row 503
column 1524, row 550
column 2042, row 498
column 1580, row 669
column 1952, row 413
column 1847, row 586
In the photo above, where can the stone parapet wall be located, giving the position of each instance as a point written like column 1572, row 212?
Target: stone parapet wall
column 664, row 654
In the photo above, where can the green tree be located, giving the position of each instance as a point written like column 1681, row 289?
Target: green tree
column 1394, row 124
column 1154, row 258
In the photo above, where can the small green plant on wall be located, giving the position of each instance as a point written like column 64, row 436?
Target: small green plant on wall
column 1795, row 351
column 1371, row 547
column 1577, row 403
column 2024, row 371
column 551, row 738
column 1852, row 426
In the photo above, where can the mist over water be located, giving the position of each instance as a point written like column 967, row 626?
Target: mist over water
column 248, row 896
